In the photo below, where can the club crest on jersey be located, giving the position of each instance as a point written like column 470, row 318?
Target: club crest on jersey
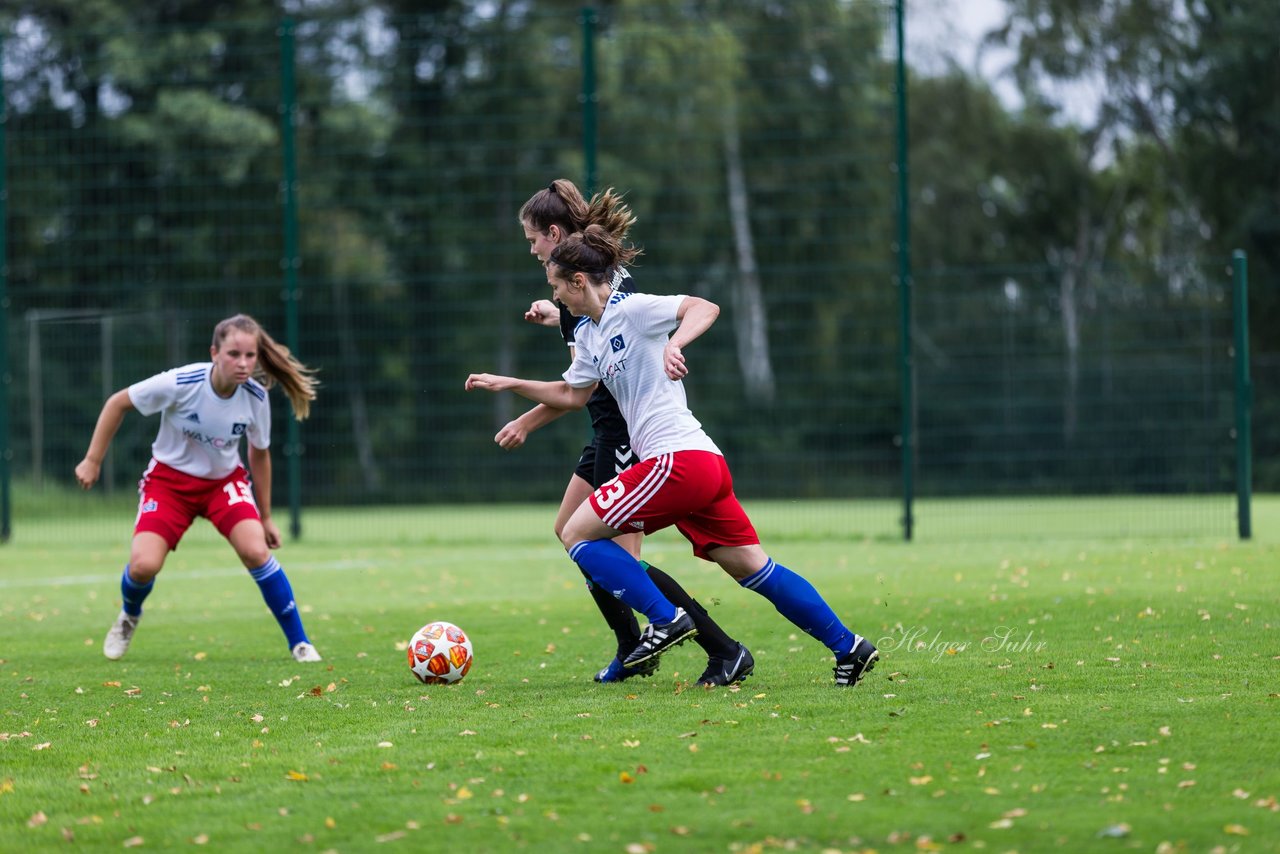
column 149, row 506
column 238, row 429
column 617, row 343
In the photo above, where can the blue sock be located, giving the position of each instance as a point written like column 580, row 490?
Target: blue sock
column 611, row 567
column 278, row 595
column 797, row 600
column 132, row 593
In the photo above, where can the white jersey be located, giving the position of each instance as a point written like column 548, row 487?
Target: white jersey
column 200, row 432
column 624, row 351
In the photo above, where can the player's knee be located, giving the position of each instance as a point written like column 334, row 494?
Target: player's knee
column 143, row 568
column 254, row 556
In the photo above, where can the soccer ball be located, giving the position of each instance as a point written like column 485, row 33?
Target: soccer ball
column 439, row 652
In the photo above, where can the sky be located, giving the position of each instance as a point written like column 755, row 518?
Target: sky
column 937, row 29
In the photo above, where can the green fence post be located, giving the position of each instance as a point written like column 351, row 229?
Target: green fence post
column 1244, row 396
column 290, row 262
column 6, row 377
column 907, row 365
column 589, row 97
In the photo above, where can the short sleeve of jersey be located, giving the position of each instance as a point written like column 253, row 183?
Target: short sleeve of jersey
column 153, row 394
column 582, row 370
column 259, row 433
column 653, row 314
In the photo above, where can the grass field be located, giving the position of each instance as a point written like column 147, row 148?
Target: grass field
column 1036, row 693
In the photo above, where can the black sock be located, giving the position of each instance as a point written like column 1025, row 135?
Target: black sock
column 710, row 636
column 619, row 616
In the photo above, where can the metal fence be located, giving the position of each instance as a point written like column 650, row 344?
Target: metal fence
column 362, row 204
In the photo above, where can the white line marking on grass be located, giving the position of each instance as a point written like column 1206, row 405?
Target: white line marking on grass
column 66, row 580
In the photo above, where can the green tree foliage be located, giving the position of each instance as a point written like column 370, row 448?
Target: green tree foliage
column 1189, row 109
column 1190, row 116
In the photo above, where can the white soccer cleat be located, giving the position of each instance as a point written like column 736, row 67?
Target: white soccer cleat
column 305, row 652
column 116, row 643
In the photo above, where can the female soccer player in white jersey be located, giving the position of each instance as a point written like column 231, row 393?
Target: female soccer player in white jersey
column 548, row 217
column 634, row 344
column 206, row 408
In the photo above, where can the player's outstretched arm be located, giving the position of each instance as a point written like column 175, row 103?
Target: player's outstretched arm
column 558, row 395
column 109, row 420
column 515, row 432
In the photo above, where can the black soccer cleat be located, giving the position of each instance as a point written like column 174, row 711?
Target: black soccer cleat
column 655, row 640
column 726, row 671
column 858, row 663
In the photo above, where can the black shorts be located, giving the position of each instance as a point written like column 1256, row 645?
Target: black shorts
column 603, row 459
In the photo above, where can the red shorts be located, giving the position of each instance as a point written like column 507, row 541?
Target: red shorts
column 169, row 501
column 692, row 490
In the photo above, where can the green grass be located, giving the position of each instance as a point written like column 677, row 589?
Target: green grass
column 1059, row 693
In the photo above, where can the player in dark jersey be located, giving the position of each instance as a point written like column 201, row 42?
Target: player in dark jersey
column 548, row 217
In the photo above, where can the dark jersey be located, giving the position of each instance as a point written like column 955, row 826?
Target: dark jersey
column 606, row 418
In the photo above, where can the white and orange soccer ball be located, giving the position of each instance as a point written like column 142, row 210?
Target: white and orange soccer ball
column 439, row 653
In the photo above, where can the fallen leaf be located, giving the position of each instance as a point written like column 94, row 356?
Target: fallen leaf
column 625, row 777
column 297, row 776
column 1115, row 831
column 132, row 842
column 1236, row 830
column 37, row 820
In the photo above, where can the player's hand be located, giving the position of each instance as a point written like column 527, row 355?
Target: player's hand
column 488, row 382
column 272, row 531
column 673, row 362
column 543, row 312
column 87, row 473
column 511, row 436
